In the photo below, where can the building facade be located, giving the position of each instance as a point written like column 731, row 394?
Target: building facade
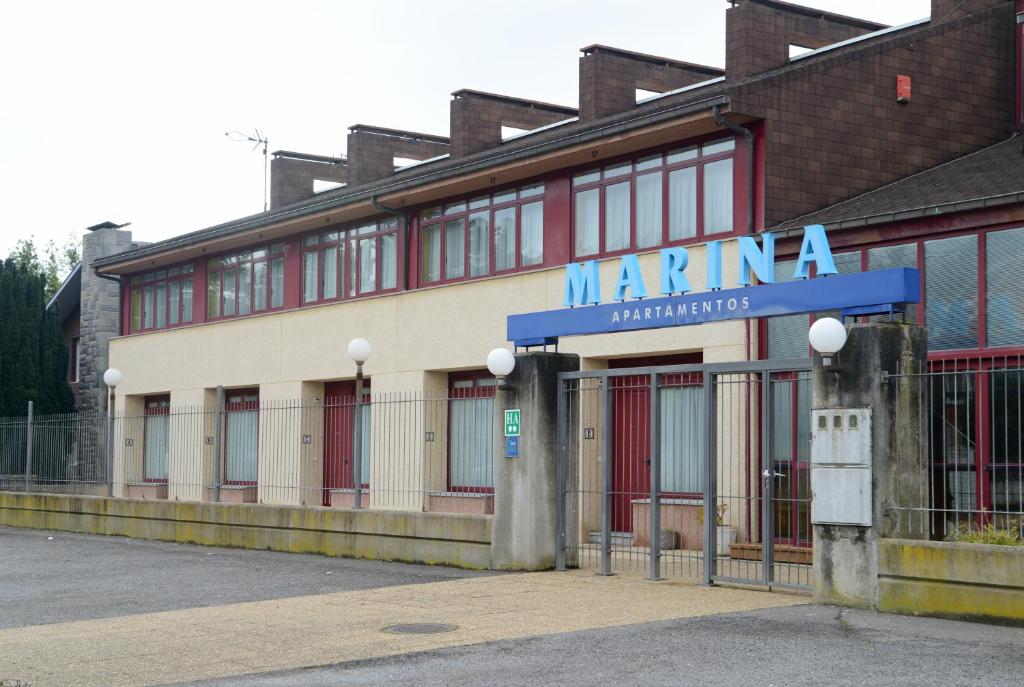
column 427, row 260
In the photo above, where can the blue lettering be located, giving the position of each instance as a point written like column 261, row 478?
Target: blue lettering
column 673, row 262
column 814, row 248
column 761, row 261
column 714, row 249
column 582, row 283
column 629, row 278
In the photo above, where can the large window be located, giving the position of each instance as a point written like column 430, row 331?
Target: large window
column 655, row 200
column 241, row 436
column 483, row 235
column 157, row 448
column 951, row 288
column 162, row 298
column 350, row 262
column 246, row 283
column 471, row 432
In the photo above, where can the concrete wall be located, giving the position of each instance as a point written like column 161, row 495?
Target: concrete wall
column 459, row 540
column 952, row 580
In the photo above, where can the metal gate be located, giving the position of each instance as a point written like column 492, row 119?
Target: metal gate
column 696, row 471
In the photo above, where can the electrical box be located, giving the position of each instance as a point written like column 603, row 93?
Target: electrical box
column 903, row 88
column 841, row 466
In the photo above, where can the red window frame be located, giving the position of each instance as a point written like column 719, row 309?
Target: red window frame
column 438, row 217
column 348, row 243
column 235, row 407
column 138, row 284
column 699, row 161
column 232, row 264
column 458, row 392
column 162, row 407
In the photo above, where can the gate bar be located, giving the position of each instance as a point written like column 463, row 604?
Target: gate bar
column 28, row 448
column 710, row 477
column 767, row 482
column 561, row 456
column 655, row 473
column 606, row 455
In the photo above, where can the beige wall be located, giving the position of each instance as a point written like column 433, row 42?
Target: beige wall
column 417, row 338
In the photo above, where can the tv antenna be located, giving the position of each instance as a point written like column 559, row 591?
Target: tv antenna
column 260, row 140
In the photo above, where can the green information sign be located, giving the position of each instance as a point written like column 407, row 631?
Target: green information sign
column 512, row 423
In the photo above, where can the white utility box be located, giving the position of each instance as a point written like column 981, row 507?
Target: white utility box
column 841, row 466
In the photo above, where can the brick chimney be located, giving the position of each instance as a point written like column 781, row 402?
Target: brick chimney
column 293, row 175
column 477, row 118
column 610, row 77
column 372, row 150
column 758, row 33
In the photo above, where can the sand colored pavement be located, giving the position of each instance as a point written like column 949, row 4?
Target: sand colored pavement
column 262, row 636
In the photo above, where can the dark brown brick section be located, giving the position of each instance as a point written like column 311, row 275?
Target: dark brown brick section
column 292, row 175
column 477, row 118
column 372, row 150
column 610, row 76
column 758, row 34
column 835, row 130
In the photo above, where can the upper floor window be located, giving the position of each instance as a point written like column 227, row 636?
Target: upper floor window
column 162, row 298
column 483, row 235
column 245, row 283
column 348, row 263
column 655, row 200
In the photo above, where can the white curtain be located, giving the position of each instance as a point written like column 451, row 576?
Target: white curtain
column 259, row 286
column 242, row 440
column 431, row 253
column 682, row 203
column 388, row 261
column 682, row 439
column 330, row 272
column 158, row 447
column 367, row 265
column 531, row 218
column 309, row 277
column 455, row 248
column 718, row 197
column 472, row 450
column 479, row 244
column 505, row 239
column 616, row 216
column 648, row 210
column 588, row 222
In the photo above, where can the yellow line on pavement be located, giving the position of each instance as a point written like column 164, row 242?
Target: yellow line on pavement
column 262, row 636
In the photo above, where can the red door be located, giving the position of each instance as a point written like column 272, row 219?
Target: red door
column 339, row 440
column 631, row 435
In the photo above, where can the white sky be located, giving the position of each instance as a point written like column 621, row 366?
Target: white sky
column 118, row 111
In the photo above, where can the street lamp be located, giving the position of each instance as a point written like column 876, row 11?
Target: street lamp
column 359, row 351
column 827, row 336
column 501, row 362
column 112, row 378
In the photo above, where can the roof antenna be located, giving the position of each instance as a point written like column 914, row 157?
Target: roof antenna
column 259, row 139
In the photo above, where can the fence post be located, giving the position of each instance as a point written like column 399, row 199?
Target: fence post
column 218, row 442
column 110, row 443
column 28, row 448
column 560, row 478
column 655, row 472
column 710, row 477
column 608, row 484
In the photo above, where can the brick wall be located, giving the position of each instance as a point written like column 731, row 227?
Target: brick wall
column 758, row 34
column 291, row 178
column 371, row 150
column 477, row 118
column 609, row 78
column 833, row 126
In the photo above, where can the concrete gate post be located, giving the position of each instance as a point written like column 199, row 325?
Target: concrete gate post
column 846, row 555
column 525, row 494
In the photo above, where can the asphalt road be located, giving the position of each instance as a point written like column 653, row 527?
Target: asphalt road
column 797, row 645
column 53, row 577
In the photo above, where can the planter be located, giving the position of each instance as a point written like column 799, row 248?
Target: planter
column 346, row 498
column 146, row 490
column 459, row 502
column 233, row 493
column 725, row 537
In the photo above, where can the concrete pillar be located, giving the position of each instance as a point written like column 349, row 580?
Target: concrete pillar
column 846, row 556
column 525, row 513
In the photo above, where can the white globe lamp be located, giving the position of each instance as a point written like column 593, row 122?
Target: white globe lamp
column 112, row 377
column 501, row 362
column 359, row 350
column 827, row 336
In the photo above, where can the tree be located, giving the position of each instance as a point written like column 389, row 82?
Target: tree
column 55, row 264
column 33, row 357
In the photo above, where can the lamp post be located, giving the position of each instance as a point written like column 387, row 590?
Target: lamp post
column 112, row 378
column 827, row 336
column 359, row 351
column 501, row 362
